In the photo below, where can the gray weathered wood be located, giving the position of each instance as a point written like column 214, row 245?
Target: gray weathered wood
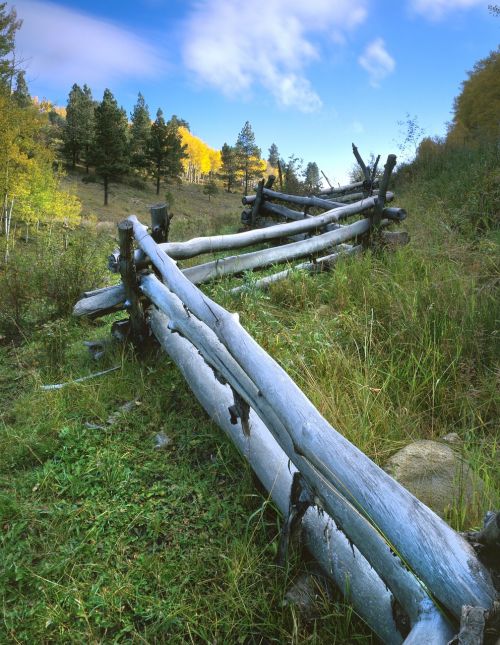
column 361, row 163
column 216, row 243
column 259, row 259
column 301, row 200
column 257, row 202
column 105, row 301
column 278, row 210
column 320, row 264
column 340, row 560
column 438, row 556
column 384, row 185
column 406, row 588
column 160, row 222
column 129, row 279
column 342, row 190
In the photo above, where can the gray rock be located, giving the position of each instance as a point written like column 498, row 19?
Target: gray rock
column 437, row 475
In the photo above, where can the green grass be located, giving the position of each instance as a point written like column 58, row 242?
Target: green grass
column 105, row 539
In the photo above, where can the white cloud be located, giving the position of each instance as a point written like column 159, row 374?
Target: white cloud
column 436, row 9
column 357, row 127
column 236, row 45
column 377, row 61
column 63, row 46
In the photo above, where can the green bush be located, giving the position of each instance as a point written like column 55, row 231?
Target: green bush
column 89, row 179
column 461, row 182
column 42, row 281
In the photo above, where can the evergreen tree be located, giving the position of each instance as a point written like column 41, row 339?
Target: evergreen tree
column 79, row 127
column 165, row 150
column 87, row 123
column 229, row 167
column 311, row 177
column 247, row 155
column 21, row 93
column 8, row 28
column 110, row 146
column 274, row 156
column 140, row 133
column 210, row 189
column 292, row 169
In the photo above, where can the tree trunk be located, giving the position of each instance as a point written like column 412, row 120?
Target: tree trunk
column 158, row 180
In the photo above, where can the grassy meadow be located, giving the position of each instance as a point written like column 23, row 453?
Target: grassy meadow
column 106, row 539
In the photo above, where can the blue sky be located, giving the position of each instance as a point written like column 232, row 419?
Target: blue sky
column 310, row 75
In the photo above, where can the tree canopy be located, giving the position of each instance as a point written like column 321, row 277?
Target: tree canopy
column 476, row 110
column 110, row 146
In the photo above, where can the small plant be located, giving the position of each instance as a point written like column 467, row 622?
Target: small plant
column 210, row 189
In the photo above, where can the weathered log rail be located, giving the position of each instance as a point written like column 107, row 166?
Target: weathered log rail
column 373, row 538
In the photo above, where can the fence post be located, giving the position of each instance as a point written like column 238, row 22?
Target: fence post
column 257, row 202
column 378, row 210
column 138, row 329
column 160, row 222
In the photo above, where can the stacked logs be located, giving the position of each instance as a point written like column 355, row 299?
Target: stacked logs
column 408, row 574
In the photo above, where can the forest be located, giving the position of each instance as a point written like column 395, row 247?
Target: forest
column 126, row 516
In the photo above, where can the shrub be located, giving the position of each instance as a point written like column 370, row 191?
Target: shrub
column 42, row 281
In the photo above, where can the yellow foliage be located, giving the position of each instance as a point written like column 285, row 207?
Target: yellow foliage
column 201, row 159
column 26, row 173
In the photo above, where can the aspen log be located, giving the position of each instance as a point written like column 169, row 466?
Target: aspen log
column 320, row 264
column 216, row 243
column 437, row 555
column 341, row 190
column 235, row 264
column 301, row 200
column 414, row 599
column 339, row 559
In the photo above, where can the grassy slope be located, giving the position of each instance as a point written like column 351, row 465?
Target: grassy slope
column 107, row 540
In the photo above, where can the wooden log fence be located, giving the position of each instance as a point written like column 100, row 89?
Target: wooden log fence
column 368, row 533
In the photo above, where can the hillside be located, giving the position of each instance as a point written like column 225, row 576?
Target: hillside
column 107, row 539
column 194, row 213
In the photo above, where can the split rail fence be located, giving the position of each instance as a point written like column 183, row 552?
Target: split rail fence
column 407, row 573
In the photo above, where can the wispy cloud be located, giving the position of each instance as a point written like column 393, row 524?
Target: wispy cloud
column 437, row 9
column 236, row 45
column 377, row 61
column 63, row 46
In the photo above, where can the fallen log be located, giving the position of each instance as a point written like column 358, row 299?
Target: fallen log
column 405, row 587
column 320, row 264
column 215, row 243
column 235, row 264
column 341, row 190
column 431, row 549
column 301, row 200
column 339, row 559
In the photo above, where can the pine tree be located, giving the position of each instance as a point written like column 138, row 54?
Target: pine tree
column 110, row 146
column 165, row 150
column 228, row 169
column 274, row 156
column 312, row 179
column 8, row 28
column 140, row 133
column 247, row 154
column 21, row 93
column 292, row 169
column 87, row 123
column 79, row 128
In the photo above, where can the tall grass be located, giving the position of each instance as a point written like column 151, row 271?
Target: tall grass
column 105, row 539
